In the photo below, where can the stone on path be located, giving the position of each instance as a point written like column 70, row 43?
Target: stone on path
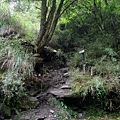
column 59, row 93
column 65, row 87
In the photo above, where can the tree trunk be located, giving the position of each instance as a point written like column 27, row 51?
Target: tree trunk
column 49, row 18
column 43, row 26
column 106, row 2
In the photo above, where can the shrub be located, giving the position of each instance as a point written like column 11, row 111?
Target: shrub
column 75, row 60
column 104, row 90
column 18, row 65
column 25, row 24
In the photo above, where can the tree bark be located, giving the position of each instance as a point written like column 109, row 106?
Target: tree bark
column 48, row 24
column 43, row 26
column 106, row 2
column 49, row 19
column 98, row 14
column 55, row 20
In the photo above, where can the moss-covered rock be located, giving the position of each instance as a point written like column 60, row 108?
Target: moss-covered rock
column 30, row 102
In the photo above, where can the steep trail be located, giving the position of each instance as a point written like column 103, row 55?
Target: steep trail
column 60, row 86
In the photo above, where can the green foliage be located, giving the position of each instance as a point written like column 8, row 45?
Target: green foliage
column 64, row 112
column 97, row 45
column 16, row 61
column 4, row 15
column 76, row 60
column 93, row 26
column 12, row 84
column 64, row 40
column 108, row 65
column 68, row 112
column 75, row 74
column 94, row 87
column 7, row 19
column 90, row 26
column 29, row 25
column 25, row 24
column 19, row 65
column 104, row 86
column 95, row 113
column 85, row 85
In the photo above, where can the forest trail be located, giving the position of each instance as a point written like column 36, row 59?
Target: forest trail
column 60, row 86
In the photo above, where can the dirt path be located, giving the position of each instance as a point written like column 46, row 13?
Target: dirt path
column 60, row 86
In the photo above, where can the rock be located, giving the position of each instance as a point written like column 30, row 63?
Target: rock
column 33, row 99
column 34, row 114
column 30, row 102
column 51, row 111
column 41, row 95
column 47, row 119
column 7, row 31
column 59, row 93
column 66, row 75
column 64, row 70
column 80, row 115
column 65, row 87
column 44, row 118
column 36, row 55
column 2, row 118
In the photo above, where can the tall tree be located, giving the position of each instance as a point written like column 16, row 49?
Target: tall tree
column 51, row 10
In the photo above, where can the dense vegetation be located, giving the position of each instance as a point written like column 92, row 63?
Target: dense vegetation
column 92, row 25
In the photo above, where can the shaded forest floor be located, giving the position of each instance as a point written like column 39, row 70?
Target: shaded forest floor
column 51, row 90
column 56, row 85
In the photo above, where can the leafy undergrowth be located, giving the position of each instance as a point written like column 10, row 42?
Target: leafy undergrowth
column 65, row 112
column 16, row 65
column 16, row 60
column 93, row 113
column 100, row 90
column 24, row 25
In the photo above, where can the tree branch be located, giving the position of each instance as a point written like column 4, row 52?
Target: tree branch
column 55, row 19
column 51, row 15
column 67, row 7
column 37, row 7
column 106, row 2
column 48, row 23
column 43, row 20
